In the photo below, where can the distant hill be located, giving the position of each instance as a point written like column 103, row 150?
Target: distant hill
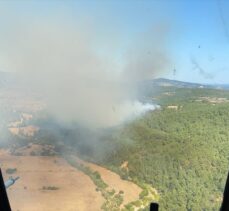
column 181, row 84
column 8, row 79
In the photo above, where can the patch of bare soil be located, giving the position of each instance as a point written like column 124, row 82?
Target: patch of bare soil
column 214, row 100
column 27, row 131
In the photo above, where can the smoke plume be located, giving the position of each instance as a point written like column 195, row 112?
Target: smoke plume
column 79, row 69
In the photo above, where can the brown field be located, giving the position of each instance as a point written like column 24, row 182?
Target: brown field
column 131, row 190
column 75, row 190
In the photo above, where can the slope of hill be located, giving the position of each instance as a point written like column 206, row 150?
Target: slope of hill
column 182, row 152
column 179, row 84
column 182, row 84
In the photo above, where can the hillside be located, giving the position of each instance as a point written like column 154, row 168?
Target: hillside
column 181, row 149
column 176, row 155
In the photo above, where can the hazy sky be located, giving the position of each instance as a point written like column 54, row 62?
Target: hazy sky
column 197, row 40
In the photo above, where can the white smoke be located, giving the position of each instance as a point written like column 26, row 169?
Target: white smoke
column 129, row 110
column 62, row 59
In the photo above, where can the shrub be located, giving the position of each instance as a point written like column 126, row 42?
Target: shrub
column 11, row 170
column 50, row 188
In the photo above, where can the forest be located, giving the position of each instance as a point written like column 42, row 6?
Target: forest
column 181, row 152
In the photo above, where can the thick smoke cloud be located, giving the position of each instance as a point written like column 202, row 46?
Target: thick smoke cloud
column 81, row 82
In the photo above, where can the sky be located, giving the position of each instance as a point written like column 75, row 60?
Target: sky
column 196, row 36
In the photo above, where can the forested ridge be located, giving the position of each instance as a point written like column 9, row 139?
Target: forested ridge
column 182, row 152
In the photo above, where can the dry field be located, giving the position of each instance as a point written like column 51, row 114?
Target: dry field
column 75, row 190
column 131, row 190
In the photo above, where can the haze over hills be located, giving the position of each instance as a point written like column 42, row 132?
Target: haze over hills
column 157, row 156
column 6, row 78
column 9, row 79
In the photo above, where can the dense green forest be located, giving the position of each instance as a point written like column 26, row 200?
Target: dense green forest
column 182, row 152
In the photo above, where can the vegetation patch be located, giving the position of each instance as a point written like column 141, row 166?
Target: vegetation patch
column 50, row 188
column 11, row 170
